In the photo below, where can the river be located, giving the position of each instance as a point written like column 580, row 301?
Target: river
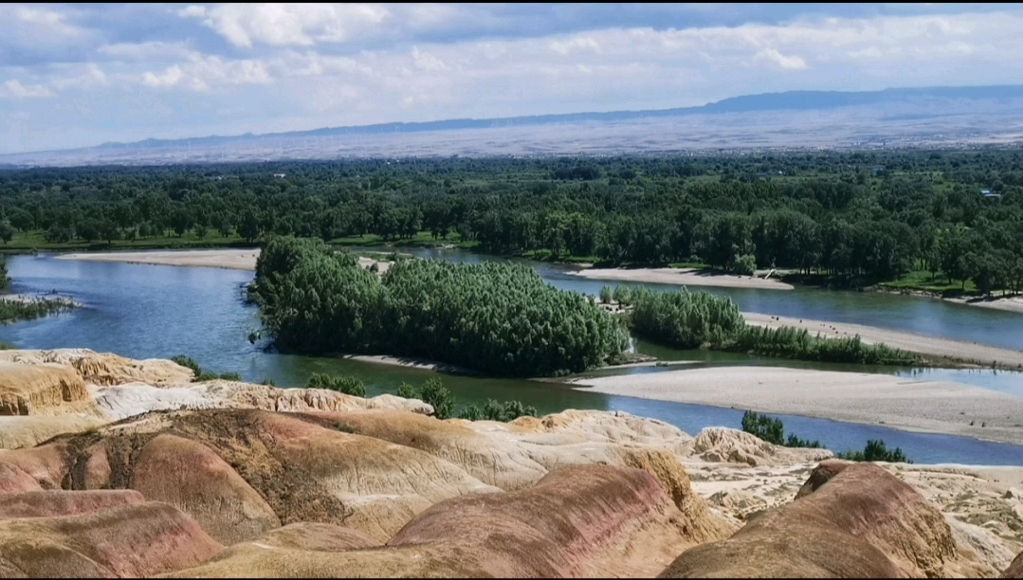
column 143, row 311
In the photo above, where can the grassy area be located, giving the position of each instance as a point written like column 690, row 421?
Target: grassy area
column 422, row 239
column 924, row 282
column 34, row 240
column 548, row 256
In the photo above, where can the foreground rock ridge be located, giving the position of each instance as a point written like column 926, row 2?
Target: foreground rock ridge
column 111, row 467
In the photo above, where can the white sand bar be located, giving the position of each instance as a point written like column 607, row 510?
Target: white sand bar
column 927, row 345
column 896, row 402
column 233, row 259
column 682, row 277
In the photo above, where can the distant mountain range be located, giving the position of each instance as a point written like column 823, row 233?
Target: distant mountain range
column 940, row 116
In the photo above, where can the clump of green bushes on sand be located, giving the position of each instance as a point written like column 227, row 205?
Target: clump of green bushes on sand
column 499, row 318
column 14, row 310
column 347, row 385
column 434, row 393
column 199, row 375
column 772, row 430
column 688, row 320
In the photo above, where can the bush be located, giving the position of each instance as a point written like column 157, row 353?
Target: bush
column 14, row 310
column 347, row 385
column 7, row 346
column 772, row 431
column 187, row 362
column 471, row 413
column 875, row 451
column 5, row 279
column 745, row 264
column 605, row 294
column 434, row 393
column 789, row 342
column 407, row 391
column 506, row 411
column 623, row 295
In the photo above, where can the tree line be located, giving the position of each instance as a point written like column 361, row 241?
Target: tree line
column 862, row 215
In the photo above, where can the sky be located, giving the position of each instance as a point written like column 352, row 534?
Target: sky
column 75, row 75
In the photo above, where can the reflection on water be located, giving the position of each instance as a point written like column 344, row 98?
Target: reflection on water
column 143, row 311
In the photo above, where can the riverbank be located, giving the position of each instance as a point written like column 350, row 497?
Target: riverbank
column 681, row 277
column 870, row 399
column 233, row 259
column 942, row 348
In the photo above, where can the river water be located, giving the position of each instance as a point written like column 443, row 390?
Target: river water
column 143, row 311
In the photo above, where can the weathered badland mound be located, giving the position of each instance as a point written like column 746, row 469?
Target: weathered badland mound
column 43, row 389
column 105, row 369
column 242, row 472
column 40, row 504
column 721, row 445
column 578, row 521
column 851, row 520
column 1015, row 570
column 129, row 540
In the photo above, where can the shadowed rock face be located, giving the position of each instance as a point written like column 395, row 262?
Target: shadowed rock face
column 1015, row 570
column 850, row 520
column 578, row 521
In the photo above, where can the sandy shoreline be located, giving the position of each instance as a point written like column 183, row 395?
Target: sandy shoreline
column 871, row 399
column 230, row 259
column 681, row 277
column 1009, row 304
column 981, row 354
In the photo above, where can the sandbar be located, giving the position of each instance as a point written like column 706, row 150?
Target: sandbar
column 229, row 259
column 959, row 350
column 681, row 277
column 872, row 399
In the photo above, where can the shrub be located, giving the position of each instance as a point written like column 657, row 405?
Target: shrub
column 187, row 362
column 745, row 264
column 434, row 393
column 407, row 391
column 605, row 294
column 772, row 430
column 347, row 385
column 875, row 451
column 623, row 295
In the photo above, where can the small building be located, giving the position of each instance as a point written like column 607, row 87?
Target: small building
column 279, row 175
column 986, row 193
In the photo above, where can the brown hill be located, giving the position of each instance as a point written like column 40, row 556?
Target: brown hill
column 128, row 540
column 1015, row 570
column 578, row 521
column 848, row 520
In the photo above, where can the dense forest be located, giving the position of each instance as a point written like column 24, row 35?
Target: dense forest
column 859, row 216
column 499, row 318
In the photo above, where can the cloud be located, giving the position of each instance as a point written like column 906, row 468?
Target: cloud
column 157, row 51
column 284, row 66
column 13, row 89
column 245, row 25
column 204, row 72
column 780, row 60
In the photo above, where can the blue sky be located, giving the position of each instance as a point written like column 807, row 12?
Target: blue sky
column 79, row 75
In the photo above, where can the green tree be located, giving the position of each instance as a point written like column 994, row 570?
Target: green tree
column 6, row 231
column 434, row 393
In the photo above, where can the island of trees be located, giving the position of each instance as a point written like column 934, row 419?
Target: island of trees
column 497, row 318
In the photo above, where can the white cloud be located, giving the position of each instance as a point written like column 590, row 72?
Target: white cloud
column 204, row 72
column 427, row 62
column 245, row 25
column 13, row 89
column 576, row 44
column 780, row 60
column 88, row 76
column 147, row 51
column 51, row 23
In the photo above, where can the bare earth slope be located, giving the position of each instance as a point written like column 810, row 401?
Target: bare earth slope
column 850, row 520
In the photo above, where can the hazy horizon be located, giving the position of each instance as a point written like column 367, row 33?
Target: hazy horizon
column 76, row 76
